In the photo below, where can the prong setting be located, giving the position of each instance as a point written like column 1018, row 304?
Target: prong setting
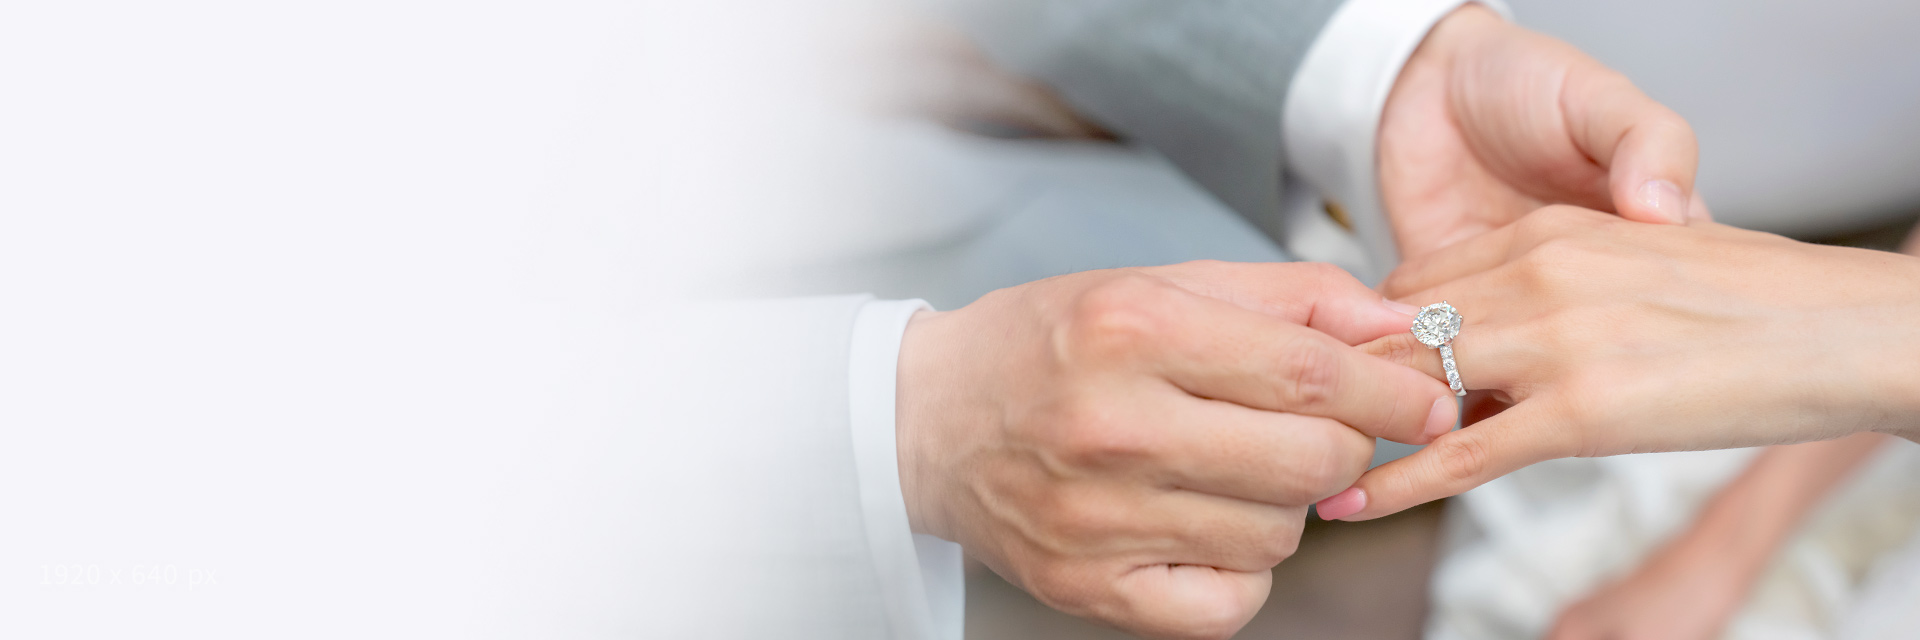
column 1436, row 326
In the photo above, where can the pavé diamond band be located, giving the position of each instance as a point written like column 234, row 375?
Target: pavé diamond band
column 1436, row 327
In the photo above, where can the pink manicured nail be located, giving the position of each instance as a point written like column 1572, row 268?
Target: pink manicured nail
column 1665, row 199
column 1401, row 308
column 1441, row 419
column 1342, row 504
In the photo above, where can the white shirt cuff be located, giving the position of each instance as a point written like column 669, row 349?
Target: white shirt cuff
column 1332, row 116
column 922, row 580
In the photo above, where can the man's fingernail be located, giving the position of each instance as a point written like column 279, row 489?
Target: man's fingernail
column 1402, row 308
column 1664, row 198
column 1342, row 504
column 1441, row 419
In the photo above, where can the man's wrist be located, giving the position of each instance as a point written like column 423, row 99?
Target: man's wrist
column 915, row 406
column 899, row 557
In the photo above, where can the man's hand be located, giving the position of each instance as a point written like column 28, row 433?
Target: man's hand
column 1489, row 121
column 1138, row 446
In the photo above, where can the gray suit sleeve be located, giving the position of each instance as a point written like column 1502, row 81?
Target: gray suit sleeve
column 1202, row 81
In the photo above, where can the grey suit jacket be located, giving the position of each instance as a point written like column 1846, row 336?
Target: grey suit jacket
column 1202, row 81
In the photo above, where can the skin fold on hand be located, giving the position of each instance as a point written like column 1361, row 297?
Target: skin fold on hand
column 1489, row 121
column 1139, row 446
column 1602, row 337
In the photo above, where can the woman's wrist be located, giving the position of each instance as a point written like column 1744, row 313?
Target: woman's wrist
column 1897, row 371
column 1854, row 338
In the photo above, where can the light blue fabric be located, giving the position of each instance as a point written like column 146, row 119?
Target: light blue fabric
column 1054, row 208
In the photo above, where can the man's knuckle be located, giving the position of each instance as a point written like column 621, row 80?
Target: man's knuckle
column 1286, row 542
column 1324, row 463
column 1117, row 315
column 1311, row 375
column 1324, row 474
column 1263, row 541
column 1353, row 455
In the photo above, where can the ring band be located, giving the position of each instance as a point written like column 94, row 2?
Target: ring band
column 1453, row 375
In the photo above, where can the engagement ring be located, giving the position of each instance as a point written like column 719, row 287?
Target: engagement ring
column 1436, row 327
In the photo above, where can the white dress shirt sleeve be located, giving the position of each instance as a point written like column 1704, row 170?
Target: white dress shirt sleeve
column 921, row 576
column 1331, row 119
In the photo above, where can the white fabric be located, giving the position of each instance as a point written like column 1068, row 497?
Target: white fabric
column 943, row 571
column 1522, row 547
column 1332, row 117
column 921, row 577
column 1885, row 609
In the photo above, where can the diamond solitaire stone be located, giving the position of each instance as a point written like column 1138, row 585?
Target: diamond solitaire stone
column 1436, row 325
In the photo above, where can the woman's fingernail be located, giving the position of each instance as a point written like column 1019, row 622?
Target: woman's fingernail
column 1441, row 419
column 1401, row 308
column 1342, row 504
column 1665, row 199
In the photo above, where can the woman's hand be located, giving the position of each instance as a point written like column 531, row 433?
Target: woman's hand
column 1607, row 337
